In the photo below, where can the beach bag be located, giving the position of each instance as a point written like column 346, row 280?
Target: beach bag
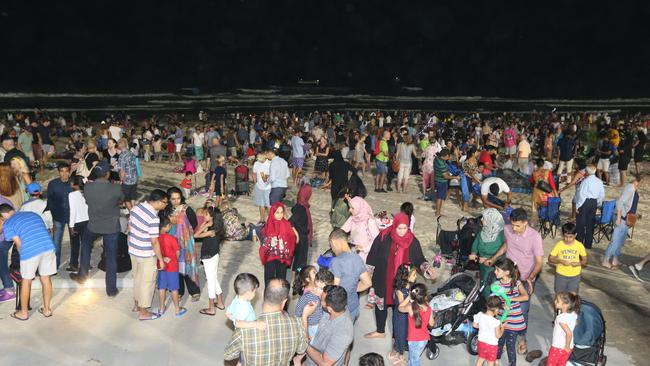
column 233, row 228
column 394, row 164
column 630, row 218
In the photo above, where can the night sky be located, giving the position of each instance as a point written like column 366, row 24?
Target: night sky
column 491, row 48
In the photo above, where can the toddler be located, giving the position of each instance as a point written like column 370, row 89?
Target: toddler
column 168, row 278
column 490, row 330
column 568, row 304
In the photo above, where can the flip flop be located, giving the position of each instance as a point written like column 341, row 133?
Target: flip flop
column 13, row 315
column 181, row 312
column 533, row 355
column 222, row 307
column 153, row 316
column 206, row 312
column 42, row 311
column 522, row 347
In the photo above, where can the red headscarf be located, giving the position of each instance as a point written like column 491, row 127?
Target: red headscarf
column 398, row 252
column 281, row 229
column 304, row 194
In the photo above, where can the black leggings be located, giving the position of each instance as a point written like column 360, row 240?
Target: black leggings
column 274, row 269
column 380, row 318
column 186, row 281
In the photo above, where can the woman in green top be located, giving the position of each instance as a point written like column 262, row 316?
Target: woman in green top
column 488, row 242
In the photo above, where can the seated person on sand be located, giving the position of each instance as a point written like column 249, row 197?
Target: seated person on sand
column 490, row 189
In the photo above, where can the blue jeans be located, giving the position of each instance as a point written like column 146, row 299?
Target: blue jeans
column 415, row 351
column 7, row 283
column 509, row 338
column 618, row 240
column 58, row 238
column 110, row 250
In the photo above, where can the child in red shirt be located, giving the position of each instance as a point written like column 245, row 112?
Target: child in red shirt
column 186, row 184
column 168, row 279
column 420, row 318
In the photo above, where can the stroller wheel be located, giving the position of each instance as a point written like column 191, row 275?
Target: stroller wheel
column 472, row 344
column 433, row 354
column 603, row 361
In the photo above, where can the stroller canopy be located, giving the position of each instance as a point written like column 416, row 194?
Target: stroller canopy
column 590, row 325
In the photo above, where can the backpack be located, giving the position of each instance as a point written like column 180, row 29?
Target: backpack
column 233, row 228
column 138, row 169
column 377, row 145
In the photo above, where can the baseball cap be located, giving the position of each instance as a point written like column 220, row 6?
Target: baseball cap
column 33, row 188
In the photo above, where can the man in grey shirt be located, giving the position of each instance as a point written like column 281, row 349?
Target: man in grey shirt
column 103, row 199
column 624, row 205
column 335, row 329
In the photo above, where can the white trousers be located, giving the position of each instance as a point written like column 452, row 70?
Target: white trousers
column 211, row 267
column 569, row 169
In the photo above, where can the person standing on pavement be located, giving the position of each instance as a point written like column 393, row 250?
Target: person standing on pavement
column 215, row 150
column 29, row 235
column 589, row 196
column 144, row 249
column 524, row 246
column 57, row 201
column 103, row 199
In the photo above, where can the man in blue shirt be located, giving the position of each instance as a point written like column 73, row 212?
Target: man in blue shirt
column 589, row 196
column 278, row 174
column 29, row 234
column 58, row 204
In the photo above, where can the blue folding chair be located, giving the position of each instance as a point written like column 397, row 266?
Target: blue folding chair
column 549, row 217
column 605, row 221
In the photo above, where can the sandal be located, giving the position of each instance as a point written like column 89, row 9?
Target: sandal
column 181, row 312
column 396, row 359
column 196, row 298
column 222, row 307
column 207, row 312
column 369, row 306
column 533, row 355
column 42, row 311
column 13, row 315
column 522, row 347
column 372, row 335
column 153, row 316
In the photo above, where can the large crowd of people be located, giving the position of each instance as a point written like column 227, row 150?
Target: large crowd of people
column 96, row 195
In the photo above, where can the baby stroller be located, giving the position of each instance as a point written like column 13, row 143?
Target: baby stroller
column 454, row 305
column 241, row 180
column 589, row 337
column 458, row 244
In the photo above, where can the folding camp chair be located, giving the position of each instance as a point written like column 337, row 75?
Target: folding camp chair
column 605, row 221
column 549, row 217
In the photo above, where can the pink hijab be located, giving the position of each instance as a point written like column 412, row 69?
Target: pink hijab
column 362, row 226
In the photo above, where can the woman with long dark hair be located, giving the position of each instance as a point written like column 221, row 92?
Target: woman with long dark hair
column 301, row 221
column 183, row 219
column 211, row 232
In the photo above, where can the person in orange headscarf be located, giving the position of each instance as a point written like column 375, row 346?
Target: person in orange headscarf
column 394, row 246
column 279, row 240
column 301, row 221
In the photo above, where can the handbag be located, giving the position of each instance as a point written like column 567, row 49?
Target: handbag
column 394, row 164
column 544, row 186
column 630, row 219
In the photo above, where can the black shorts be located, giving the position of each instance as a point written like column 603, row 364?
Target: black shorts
column 130, row 192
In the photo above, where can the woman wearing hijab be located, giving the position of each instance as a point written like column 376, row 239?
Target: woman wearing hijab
column 279, row 241
column 361, row 225
column 488, row 242
column 301, row 221
column 183, row 220
column 394, row 246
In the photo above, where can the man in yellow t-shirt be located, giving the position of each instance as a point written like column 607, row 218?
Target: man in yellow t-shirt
column 569, row 256
column 381, row 162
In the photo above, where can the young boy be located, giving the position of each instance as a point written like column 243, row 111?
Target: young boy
column 240, row 311
column 37, row 204
column 186, row 184
column 490, row 330
column 168, row 279
column 569, row 256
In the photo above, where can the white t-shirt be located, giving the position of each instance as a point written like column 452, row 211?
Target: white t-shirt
column 258, row 169
column 116, row 132
column 297, row 147
column 487, row 182
column 198, row 138
column 559, row 337
column 487, row 326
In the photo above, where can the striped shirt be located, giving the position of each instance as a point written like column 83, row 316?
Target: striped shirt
column 516, row 321
column 305, row 299
column 30, row 228
column 143, row 226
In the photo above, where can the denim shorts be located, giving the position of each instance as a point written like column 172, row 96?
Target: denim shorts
column 441, row 190
column 168, row 281
column 382, row 168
